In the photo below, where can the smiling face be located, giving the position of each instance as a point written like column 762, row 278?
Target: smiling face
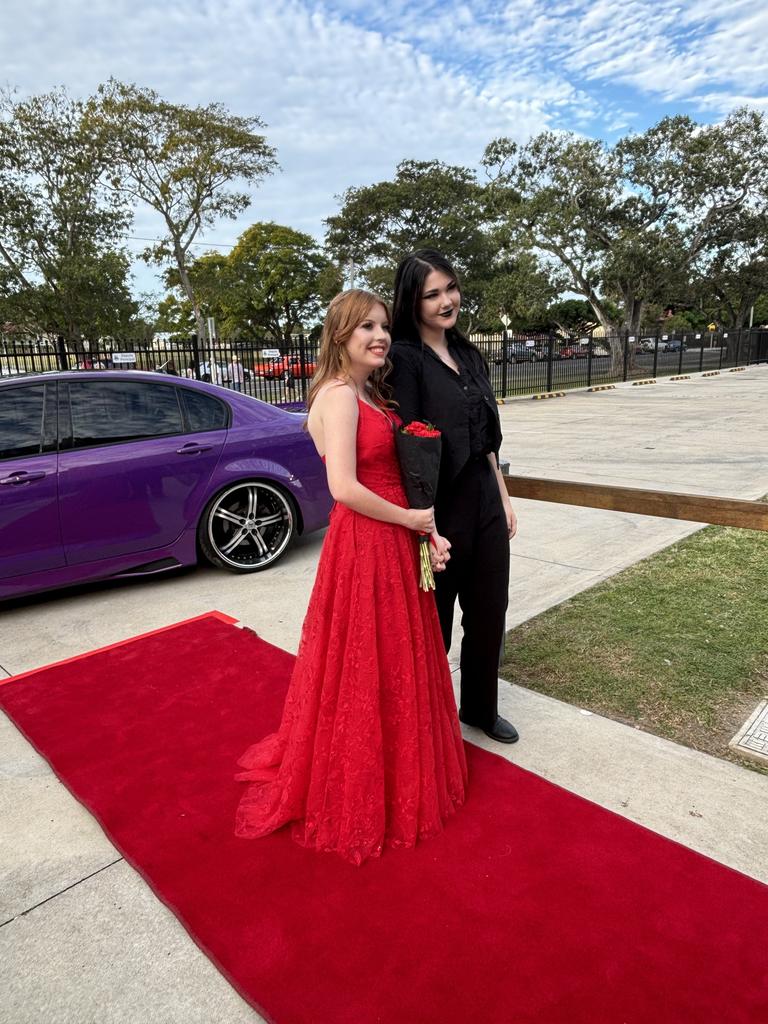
column 368, row 345
column 440, row 301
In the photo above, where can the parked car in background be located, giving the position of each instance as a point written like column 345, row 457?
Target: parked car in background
column 572, row 352
column 672, row 345
column 520, row 352
column 109, row 473
column 262, row 365
column 289, row 366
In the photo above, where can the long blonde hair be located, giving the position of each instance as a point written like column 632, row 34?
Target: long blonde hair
column 346, row 312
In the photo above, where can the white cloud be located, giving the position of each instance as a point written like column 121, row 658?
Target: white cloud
column 348, row 89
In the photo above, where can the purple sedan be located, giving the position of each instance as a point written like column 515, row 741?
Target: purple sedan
column 106, row 474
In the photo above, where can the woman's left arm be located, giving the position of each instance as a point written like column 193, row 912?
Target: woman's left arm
column 506, row 504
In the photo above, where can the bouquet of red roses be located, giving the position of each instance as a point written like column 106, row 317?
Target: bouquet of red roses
column 418, row 449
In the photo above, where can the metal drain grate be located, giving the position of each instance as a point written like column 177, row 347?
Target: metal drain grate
column 752, row 739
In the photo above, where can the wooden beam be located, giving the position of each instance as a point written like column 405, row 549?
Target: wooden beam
column 697, row 508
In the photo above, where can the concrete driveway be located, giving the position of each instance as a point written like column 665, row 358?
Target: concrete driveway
column 82, row 938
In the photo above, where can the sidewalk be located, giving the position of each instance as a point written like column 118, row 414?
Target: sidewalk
column 82, row 938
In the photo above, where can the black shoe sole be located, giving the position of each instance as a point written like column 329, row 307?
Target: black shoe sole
column 501, row 739
column 492, row 735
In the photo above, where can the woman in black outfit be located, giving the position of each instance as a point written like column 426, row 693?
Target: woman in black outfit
column 440, row 377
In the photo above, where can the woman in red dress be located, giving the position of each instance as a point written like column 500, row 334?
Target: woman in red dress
column 369, row 751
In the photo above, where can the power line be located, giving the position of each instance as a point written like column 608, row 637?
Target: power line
column 209, row 245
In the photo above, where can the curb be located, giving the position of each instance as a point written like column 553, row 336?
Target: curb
column 583, row 389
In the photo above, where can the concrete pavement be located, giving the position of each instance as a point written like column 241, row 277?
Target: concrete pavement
column 82, row 939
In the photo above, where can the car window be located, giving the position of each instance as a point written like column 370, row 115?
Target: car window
column 105, row 412
column 21, row 421
column 203, row 412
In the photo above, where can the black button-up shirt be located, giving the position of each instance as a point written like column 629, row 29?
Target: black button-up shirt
column 426, row 389
column 480, row 413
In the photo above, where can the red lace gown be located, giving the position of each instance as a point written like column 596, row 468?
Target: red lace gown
column 369, row 752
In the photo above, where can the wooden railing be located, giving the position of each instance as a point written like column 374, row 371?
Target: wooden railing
column 697, row 508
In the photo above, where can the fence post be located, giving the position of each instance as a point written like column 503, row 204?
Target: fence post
column 196, row 356
column 720, row 362
column 504, row 363
column 626, row 354
column 655, row 353
column 302, row 367
column 589, row 360
column 61, row 351
column 550, row 359
column 738, row 350
column 680, row 360
column 701, row 352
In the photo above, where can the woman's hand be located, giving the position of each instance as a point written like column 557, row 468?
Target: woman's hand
column 509, row 512
column 420, row 519
column 439, row 552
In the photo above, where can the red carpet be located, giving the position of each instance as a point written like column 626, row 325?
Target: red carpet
column 534, row 906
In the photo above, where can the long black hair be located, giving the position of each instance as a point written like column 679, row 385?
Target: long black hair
column 409, row 285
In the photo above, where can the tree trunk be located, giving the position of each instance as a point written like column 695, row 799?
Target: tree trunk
column 189, row 291
column 741, row 315
column 633, row 313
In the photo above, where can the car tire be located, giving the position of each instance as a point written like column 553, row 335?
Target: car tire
column 247, row 527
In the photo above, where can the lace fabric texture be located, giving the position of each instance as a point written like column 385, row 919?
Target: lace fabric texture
column 369, row 751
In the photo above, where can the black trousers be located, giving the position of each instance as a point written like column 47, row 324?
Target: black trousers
column 470, row 515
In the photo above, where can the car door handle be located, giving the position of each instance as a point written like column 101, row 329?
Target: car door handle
column 193, row 448
column 22, row 477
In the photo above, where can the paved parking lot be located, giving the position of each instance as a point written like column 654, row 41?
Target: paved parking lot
column 83, row 939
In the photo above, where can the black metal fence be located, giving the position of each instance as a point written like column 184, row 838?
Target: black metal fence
column 279, row 376
column 519, row 364
column 530, row 364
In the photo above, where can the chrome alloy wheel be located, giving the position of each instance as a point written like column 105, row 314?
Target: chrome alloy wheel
column 249, row 526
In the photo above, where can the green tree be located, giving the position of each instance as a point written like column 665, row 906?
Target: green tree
column 630, row 222
column 210, row 278
column 730, row 280
column 760, row 317
column 570, row 318
column 429, row 204
column 274, row 281
column 519, row 288
column 183, row 162
column 175, row 316
column 61, row 267
column 278, row 281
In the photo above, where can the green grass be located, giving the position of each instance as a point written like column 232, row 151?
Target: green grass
column 677, row 644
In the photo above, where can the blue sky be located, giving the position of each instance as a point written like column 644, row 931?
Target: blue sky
column 348, row 87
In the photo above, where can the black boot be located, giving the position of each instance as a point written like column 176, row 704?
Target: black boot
column 502, row 731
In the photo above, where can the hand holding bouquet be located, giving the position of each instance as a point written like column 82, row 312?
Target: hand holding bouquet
column 418, row 449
